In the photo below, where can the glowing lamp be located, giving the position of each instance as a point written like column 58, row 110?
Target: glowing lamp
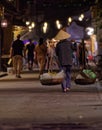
column 4, row 23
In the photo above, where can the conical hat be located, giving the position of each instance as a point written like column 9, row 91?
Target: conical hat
column 62, row 35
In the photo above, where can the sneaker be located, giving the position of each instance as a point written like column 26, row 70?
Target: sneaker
column 68, row 89
column 65, row 90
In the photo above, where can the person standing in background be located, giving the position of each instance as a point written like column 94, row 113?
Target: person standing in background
column 30, row 54
column 16, row 53
column 64, row 53
column 52, row 58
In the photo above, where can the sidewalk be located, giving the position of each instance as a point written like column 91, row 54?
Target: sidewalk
column 29, row 75
column 25, row 75
column 2, row 74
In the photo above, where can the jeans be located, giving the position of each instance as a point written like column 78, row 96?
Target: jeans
column 67, row 80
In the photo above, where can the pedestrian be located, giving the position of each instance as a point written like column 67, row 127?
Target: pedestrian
column 64, row 53
column 40, row 55
column 16, row 53
column 82, row 55
column 52, row 58
column 30, row 54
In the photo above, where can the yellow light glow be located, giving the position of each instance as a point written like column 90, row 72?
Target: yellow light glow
column 33, row 24
column 57, row 22
column 80, row 19
column 4, row 23
column 82, row 16
column 45, row 24
column 27, row 22
column 58, row 26
column 69, row 19
column 44, row 29
column 30, row 27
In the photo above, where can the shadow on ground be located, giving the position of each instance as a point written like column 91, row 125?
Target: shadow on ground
column 71, row 126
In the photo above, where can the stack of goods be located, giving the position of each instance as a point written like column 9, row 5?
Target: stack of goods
column 86, row 76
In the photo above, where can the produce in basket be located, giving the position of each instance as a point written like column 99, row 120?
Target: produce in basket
column 51, row 78
column 85, row 79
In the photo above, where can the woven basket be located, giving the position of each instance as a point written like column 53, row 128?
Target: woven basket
column 84, row 81
column 51, row 81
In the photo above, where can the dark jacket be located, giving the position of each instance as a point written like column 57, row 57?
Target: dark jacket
column 18, row 47
column 64, row 52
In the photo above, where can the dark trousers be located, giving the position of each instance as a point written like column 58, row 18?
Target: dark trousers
column 67, row 80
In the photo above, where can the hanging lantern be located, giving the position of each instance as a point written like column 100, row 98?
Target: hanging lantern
column 3, row 20
column 4, row 23
column 69, row 19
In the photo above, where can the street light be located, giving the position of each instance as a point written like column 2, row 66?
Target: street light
column 4, row 23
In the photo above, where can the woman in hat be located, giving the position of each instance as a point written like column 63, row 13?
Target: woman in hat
column 64, row 53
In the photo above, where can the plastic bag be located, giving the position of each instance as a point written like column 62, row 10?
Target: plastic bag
column 52, row 78
column 89, row 73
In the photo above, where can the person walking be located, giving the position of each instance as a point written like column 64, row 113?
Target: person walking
column 52, row 62
column 16, row 53
column 30, row 54
column 40, row 54
column 64, row 53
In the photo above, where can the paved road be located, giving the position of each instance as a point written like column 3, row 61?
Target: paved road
column 28, row 103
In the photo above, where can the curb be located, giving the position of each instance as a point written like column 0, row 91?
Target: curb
column 3, row 74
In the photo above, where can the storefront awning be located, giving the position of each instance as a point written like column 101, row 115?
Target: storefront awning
column 75, row 31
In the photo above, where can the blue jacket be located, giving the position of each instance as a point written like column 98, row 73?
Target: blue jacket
column 64, row 52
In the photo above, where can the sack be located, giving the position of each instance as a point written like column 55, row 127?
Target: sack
column 52, row 78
